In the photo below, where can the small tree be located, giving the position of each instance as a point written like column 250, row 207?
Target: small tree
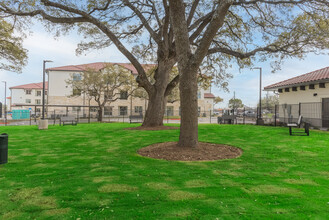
column 235, row 103
column 269, row 101
column 12, row 55
column 103, row 86
column 217, row 100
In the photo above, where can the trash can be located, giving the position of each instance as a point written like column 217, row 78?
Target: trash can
column 3, row 148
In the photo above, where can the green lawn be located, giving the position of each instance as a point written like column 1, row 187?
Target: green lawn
column 93, row 172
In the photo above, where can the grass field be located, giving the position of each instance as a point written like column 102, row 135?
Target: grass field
column 93, row 172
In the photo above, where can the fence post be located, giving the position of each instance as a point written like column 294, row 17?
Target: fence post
column 54, row 117
column 275, row 111
column 89, row 115
column 78, row 115
column 244, row 115
column 35, row 114
column 299, row 109
column 67, row 110
column 167, row 116
column 30, row 119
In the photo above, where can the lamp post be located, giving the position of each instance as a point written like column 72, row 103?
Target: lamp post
column 5, row 107
column 259, row 119
column 44, row 87
column 43, row 123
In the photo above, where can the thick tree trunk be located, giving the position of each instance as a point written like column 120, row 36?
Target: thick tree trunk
column 100, row 114
column 158, row 97
column 189, row 108
column 155, row 110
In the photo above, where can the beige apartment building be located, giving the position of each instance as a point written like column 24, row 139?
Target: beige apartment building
column 28, row 96
column 60, row 94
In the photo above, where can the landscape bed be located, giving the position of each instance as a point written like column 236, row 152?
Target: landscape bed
column 93, row 171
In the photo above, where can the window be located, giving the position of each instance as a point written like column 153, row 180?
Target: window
column 76, row 77
column 286, row 89
column 46, row 92
column 280, row 90
column 294, row 89
column 93, row 109
column 124, row 95
column 76, row 109
column 302, row 87
column 322, row 85
column 38, row 110
column 38, row 101
column 76, row 92
column 139, row 110
column 28, row 92
column 123, row 110
column 311, row 86
column 28, row 101
column 170, row 111
column 38, row 93
column 199, row 95
column 108, row 110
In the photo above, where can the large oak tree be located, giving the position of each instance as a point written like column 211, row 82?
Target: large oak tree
column 240, row 29
column 210, row 34
column 140, row 30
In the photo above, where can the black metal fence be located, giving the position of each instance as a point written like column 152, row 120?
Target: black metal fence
column 316, row 114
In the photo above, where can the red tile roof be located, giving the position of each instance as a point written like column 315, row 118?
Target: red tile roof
column 209, row 95
column 30, row 86
column 317, row 75
column 98, row 66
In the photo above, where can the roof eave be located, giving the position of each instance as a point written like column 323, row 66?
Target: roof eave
column 297, row 84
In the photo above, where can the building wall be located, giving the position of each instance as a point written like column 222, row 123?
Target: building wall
column 311, row 107
column 60, row 92
column 19, row 96
column 57, row 83
column 301, row 96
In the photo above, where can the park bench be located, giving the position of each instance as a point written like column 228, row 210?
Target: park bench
column 297, row 125
column 226, row 119
column 135, row 118
column 71, row 120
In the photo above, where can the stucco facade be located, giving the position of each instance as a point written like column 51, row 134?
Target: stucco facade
column 28, row 94
column 304, row 96
column 60, row 95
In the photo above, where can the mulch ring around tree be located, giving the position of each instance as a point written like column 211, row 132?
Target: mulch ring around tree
column 204, row 152
column 157, row 128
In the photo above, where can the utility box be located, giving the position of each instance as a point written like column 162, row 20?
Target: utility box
column 20, row 114
column 3, row 148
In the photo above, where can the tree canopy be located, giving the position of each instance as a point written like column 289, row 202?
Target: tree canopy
column 103, row 86
column 235, row 103
column 12, row 54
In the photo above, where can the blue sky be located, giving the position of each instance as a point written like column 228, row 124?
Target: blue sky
column 43, row 46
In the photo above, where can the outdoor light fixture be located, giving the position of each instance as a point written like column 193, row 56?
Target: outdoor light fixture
column 315, row 94
column 259, row 119
column 43, row 87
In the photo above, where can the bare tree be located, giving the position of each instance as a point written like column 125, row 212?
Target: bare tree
column 104, row 86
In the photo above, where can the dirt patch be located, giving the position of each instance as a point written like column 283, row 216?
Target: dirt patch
column 157, row 128
column 204, row 152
